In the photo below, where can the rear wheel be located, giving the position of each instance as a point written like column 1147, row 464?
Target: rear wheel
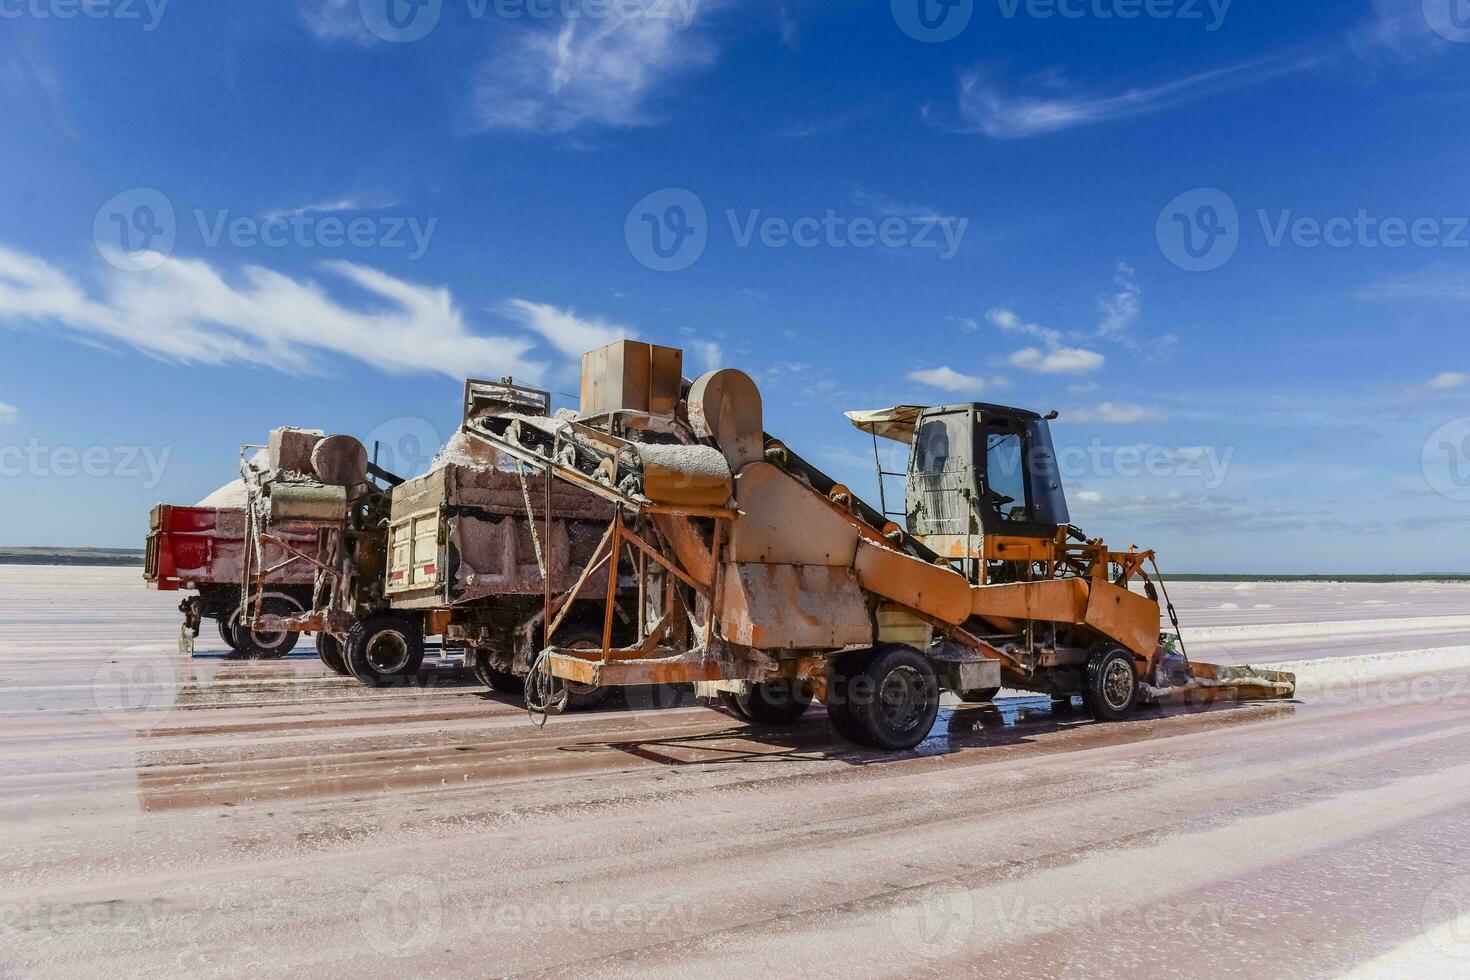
column 843, row 687
column 584, row 697
column 329, row 651
column 259, row 644
column 894, row 700
column 227, row 633
column 385, row 649
column 731, row 704
column 981, row 696
column 775, row 702
column 1110, row 688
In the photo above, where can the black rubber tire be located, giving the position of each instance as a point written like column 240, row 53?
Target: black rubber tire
column 251, row 645
column 982, row 696
column 840, row 693
column 502, row 681
column 329, row 651
column 731, row 703
column 581, row 697
column 227, row 633
column 898, row 704
column 774, row 702
column 385, row 649
column 1110, row 673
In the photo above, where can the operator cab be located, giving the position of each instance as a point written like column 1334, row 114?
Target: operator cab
column 974, row 469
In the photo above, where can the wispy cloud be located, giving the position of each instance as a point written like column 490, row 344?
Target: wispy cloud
column 335, row 20
column 1117, row 413
column 9, row 414
column 1047, row 104
column 1120, row 309
column 1441, row 281
column 790, row 29
column 890, row 208
column 334, row 206
column 948, row 379
column 832, row 122
column 564, row 329
column 588, row 72
column 190, row 312
column 1449, row 380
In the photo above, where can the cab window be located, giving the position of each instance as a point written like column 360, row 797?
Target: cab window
column 1005, row 475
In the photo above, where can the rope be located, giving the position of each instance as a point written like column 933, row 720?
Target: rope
column 545, row 695
column 1169, row 605
column 531, row 520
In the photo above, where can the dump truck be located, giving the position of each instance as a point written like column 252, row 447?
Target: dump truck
column 328, row 542
column 770, row 585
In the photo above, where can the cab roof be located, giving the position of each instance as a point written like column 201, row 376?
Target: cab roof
column 898, row 423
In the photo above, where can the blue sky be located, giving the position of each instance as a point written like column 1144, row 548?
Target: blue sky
column 1227, row 240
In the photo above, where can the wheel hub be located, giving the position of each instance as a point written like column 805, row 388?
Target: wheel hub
column 901, row 698
column 388, row 652
column 1118, row 684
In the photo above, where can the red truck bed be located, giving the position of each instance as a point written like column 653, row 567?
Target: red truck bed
column 193, row 546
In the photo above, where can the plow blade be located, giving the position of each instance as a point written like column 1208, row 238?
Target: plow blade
column 1209, row 683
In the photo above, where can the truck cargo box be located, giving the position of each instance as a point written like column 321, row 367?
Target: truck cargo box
column 460, row 533
column 193, row 546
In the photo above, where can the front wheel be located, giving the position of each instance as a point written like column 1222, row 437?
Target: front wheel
column 385, row 649
column 1110, row 689
column 890, row 700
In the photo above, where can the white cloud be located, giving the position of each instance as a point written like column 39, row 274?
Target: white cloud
column 711, row 354
column 1090, row 497
column 1121, row 308
column 948, row 379
column 567, row 332
column 592, row 71
column 1449, row 380
column 890, row 208
column 1063, row 360
column 1117, row 413
column 332, row 206
column 335, row 20
column 9, row 414
column 1086, row 388
column 1045, row 105
column 1008, row 321
column 188, row 311
column 790, row 29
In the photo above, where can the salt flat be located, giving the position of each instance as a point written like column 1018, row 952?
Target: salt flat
column 164, row 814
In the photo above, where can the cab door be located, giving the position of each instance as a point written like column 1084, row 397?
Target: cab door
column 940, row 495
